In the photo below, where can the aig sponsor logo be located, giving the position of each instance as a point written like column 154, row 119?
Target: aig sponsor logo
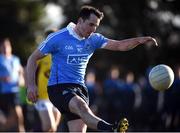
column 77, row 59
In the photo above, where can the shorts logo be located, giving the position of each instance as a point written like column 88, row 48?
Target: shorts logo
column 65, row 92
column 77, row 59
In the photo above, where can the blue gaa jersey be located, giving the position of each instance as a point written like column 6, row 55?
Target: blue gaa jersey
column 9, row 67
column 70, row 54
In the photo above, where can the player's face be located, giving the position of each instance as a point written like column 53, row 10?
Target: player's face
column 89, row 26
column 6, row 47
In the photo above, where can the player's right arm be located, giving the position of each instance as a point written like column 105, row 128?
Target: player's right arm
column 31, row 70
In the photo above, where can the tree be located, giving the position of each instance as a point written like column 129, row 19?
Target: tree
column 20, row 22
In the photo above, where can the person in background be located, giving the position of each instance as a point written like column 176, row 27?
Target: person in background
column 114, row 86
column 11, row 78
column 171, row 110
column 49, row 115
column 71, row 48
column 92, row 86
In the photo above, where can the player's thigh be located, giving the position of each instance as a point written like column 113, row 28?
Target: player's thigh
column 78, row 106
column 77, row 126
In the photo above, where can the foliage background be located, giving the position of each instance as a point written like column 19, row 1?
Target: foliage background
column 21, row 21
column 25, row 22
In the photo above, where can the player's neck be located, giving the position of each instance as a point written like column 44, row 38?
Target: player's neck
column 78, row 32
column 8, row 55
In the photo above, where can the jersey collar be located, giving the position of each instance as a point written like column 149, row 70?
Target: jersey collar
column 70, row 28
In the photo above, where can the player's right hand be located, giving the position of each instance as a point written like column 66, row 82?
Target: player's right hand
column 32, row 93
column 155, row 42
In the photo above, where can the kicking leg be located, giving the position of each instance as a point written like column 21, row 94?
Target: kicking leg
column 78, row 106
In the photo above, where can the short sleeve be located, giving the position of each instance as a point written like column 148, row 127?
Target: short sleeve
column 98, row 40
column 48, row 45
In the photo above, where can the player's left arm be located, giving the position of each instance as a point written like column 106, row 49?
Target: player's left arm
column 128, row 44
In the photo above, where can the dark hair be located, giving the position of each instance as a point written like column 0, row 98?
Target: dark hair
column 86, row 11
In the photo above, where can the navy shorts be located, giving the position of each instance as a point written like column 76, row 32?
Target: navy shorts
column 9, row 101
column 61, row 94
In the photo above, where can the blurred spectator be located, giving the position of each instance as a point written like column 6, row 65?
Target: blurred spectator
column 91, row 85
column 133, row 99
column 130, row 81
column 171, row 114
column 113, row 82
column 31, row 116
column 94, row 89
column 11, row 77
column 149, row 118
column 95, row 92
column 114, row 97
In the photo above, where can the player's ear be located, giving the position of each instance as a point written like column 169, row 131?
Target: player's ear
column 80, row 20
